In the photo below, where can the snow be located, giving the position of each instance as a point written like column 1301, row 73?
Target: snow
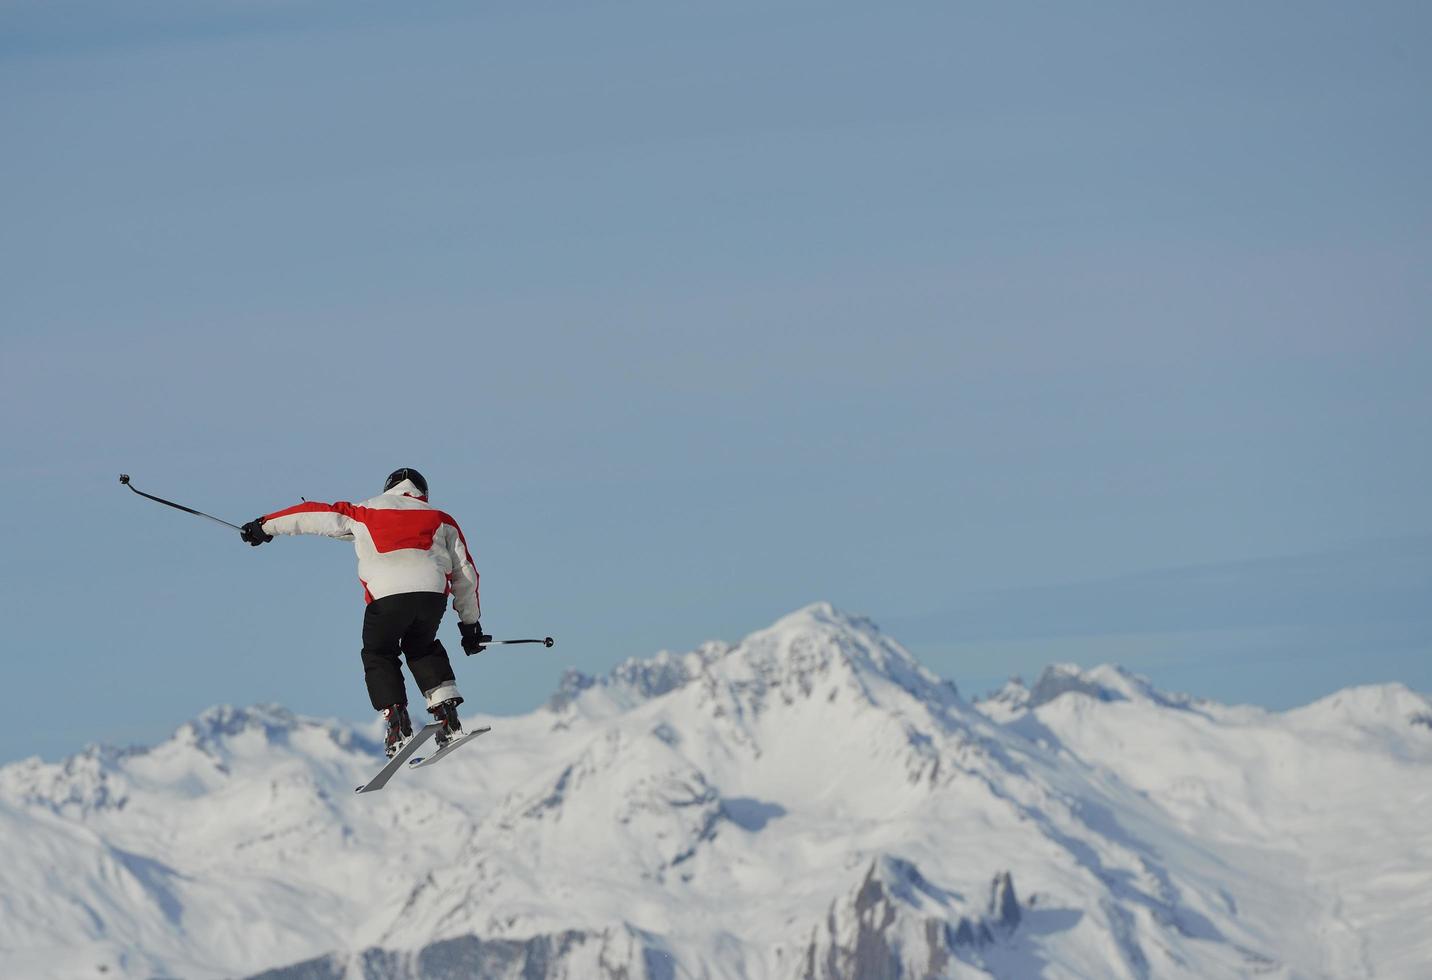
column 810, row 801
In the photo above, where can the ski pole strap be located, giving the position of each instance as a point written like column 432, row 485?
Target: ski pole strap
column 124, row 478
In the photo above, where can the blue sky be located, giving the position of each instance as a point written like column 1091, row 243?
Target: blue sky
column 1095, row 334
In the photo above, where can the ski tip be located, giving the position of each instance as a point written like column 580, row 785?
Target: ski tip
column 124, row 478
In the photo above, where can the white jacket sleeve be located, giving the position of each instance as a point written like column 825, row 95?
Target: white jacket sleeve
column 464, row 578
column 329, row 520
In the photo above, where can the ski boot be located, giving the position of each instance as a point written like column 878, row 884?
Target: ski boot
column 398, row 728
column 445, row 714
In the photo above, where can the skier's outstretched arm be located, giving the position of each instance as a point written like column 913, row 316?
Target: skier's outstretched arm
column 311, row 517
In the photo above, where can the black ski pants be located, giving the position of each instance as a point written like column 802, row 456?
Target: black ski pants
column 406, row 623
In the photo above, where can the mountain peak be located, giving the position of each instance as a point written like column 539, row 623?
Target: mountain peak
column 227, row 720
column 794, row 648
column 823, row 614
column 224, row 729
column 1106, row 682
column 820, row 637
column 1370, row 707
column 788, row 654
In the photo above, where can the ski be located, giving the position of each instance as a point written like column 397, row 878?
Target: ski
column 419, row 762
column 396, row 762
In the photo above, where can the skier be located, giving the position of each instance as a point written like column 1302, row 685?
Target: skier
column 410, row 557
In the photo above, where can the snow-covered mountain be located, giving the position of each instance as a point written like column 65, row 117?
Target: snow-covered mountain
column 809, row 803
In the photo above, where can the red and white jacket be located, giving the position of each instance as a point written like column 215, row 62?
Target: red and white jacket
column 404, row 544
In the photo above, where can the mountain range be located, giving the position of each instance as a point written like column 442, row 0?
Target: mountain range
column 810, row 803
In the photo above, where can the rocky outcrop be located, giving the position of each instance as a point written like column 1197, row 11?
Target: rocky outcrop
column 573, row 683
column 1003, row 905
column 1107, row 682
column 898, row 925
column 1059, row 679
column 572, row 955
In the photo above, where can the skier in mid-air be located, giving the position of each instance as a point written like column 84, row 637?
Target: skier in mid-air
column 411, row 556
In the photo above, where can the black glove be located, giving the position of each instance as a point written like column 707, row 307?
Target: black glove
column 253, row 533
column 473, row 638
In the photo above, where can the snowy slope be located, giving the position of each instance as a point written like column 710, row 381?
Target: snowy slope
column 810, row 802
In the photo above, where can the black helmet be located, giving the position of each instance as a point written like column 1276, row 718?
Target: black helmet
column 406, row 473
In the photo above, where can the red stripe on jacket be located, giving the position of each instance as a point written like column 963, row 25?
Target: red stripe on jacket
column 390, row 529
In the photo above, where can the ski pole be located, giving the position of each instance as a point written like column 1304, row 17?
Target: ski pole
column 546, row 641
column 124, row 479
